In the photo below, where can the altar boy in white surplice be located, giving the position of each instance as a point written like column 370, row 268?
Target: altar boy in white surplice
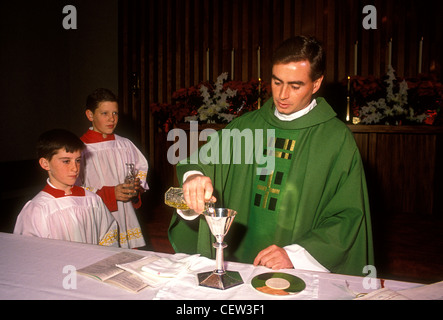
column 62, row 210
column 104, row 169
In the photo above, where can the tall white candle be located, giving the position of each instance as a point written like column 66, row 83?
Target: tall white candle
column 420, row 55
column 355, row 57
column 258, row 62
column 348, row 100
column 232, row 64
column 390, row 53
column 207, row 64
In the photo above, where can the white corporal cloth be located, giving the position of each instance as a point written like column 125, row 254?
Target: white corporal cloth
column 155, row 270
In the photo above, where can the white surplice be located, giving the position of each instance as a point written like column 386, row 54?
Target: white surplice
column 104, row 166
column 80, row 217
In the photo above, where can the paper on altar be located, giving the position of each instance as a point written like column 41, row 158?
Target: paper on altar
column 424, row 292
column 382, row 294
column 155, row 270
column 432, row 291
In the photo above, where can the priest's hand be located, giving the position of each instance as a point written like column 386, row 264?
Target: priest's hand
column 274, row 258
column 197, row 190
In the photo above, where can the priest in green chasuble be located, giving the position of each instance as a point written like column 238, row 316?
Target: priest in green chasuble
column 308, row 208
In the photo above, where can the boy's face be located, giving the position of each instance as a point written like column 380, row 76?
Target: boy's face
column 104, row 119
column 63, row 168
column 292, row 86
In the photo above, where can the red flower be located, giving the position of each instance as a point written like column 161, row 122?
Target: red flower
column 424, row 95
column 187, row 101
column 432, row 114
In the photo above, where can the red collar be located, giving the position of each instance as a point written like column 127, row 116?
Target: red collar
column 76, row 191
column 92, row 136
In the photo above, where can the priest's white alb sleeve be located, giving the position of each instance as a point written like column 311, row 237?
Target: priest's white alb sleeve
column 302, row 259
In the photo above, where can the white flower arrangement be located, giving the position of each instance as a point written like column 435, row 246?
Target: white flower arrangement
column 394, row 106
column 215, row 104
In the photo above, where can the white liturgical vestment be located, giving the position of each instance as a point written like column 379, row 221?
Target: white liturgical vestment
column 104, row 167
column 80, row 217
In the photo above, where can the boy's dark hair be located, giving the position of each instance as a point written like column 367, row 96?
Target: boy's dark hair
column 302, row 48
column 51, row 141
column 99, row 95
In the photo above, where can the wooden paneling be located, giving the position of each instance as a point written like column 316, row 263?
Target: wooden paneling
column 163, row 45
column 402, row 167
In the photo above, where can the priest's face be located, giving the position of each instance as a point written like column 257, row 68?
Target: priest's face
column 104, row 118
column 63, row 168
column 292, row 86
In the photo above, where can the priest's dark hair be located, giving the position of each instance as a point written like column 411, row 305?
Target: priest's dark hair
column 99, row 95
column 50, row 142
column 300, row 48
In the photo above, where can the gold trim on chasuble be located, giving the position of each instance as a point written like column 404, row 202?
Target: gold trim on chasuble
column 269, row 184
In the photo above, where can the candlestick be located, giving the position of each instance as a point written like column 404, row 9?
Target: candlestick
column 355, row 57
column 259, row 93
column 420, row 55
column 207, row 64
column 232, row 64
column 390, row 53
column 348, row 100
column 258, row 62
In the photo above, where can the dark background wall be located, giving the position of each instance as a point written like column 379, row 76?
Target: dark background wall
column 46, row 72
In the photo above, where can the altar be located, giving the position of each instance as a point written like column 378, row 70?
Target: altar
column 40, row 269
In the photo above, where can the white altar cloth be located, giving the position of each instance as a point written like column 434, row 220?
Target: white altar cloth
column 35, row 268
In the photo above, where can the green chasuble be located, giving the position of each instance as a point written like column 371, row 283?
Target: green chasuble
column 313, row 193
